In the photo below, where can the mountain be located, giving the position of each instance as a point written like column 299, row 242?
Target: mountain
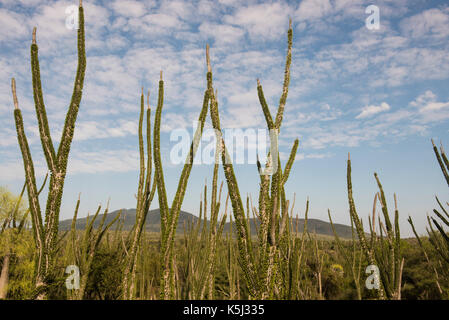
column 319, row 227
column 154, row 219
column 128, row 216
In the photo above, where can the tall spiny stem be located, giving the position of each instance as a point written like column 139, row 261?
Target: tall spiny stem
column 358, row 224
column 288, row 61
column 46, row 236
column 260, row 280
column 144, row 198
column 169, row 217
column 244, row 241
column 440, row 161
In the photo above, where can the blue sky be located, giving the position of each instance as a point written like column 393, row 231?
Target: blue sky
column 378, row 94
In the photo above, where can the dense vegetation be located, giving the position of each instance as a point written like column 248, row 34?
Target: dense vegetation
column 270, row 259
column 153, row 223
column 324, row 271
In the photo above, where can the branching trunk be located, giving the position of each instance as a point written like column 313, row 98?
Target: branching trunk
column 4, row 277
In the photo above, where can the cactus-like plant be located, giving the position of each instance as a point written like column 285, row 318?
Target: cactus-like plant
column 45, row 233
column 262, row 272
column 352, row 256
column 145, row 194
column 85, row 248
column 200, row 242
column 169, row 216
column 384, row 252
column 440, row 239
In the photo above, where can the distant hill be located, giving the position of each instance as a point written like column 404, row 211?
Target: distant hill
column 313, row 226
column 128, row 216
column 154, row 219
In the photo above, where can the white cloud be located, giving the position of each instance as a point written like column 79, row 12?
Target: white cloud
column 262, row 21
column 8, row 137
column 129, row 8
column 182, row 9
column 423, row 99
column 229, row 2
column 430, row 110
column 221, row 33
column 51, row 22
column 301, row 156
column 163, row 20
column 173, row 121
column 430, row 23
column 393, row 117
column 313, row 9
column 98, row 161
column 435, row 106
column 371, row 110
column 318, row 155
column 103, row 161
column 427, row 103
column 14, row 25
column 89, row 130
column 15, row 171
